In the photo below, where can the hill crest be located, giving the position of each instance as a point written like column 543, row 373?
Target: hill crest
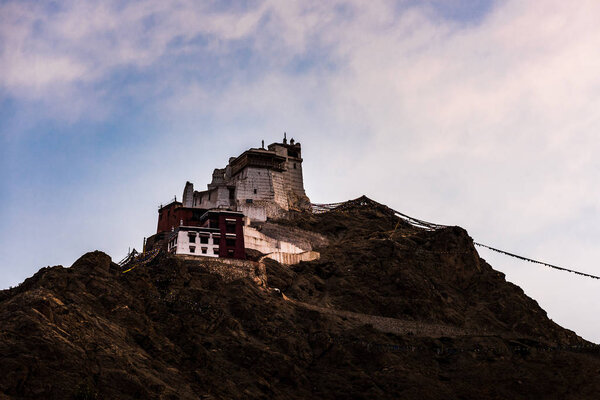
column 389, row 310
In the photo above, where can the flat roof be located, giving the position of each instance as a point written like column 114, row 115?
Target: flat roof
column 225, row 212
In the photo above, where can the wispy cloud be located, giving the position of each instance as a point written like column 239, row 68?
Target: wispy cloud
column 484, row 116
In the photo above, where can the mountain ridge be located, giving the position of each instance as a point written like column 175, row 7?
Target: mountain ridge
column 389, row 310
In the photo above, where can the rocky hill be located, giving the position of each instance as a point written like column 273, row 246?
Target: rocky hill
column 389, row 311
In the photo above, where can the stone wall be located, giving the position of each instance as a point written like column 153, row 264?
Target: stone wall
column 293, row 177
column 230, row 269
column 280, row 193
column 206, row 199
column 254, row 183
column 255, row 212
column 260, row 210
column 188, row 195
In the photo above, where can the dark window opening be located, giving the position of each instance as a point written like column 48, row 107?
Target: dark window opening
column 254, row 191
column 216, row 240
column 192, row 238
column 231, row 193
column 192, row 249
column 294, row 165
column 204, row 249
column 230, row 253
column 215, row 250
column 204, row 239
column 230, row 242
column 230, row 227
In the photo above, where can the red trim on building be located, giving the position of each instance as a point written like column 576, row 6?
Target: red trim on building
column 231, row 226
column 229, row 223
column 172, row 215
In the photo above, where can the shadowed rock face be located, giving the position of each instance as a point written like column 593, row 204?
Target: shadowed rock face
column 388, row 311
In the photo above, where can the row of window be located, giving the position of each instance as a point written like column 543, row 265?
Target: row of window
column 204, row 250
column 203, row 239
column 229, row 242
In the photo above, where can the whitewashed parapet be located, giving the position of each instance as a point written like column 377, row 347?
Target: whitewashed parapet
column 291, row 259
column 253, row 239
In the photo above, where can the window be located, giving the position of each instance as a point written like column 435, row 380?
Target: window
column 215, row 250
column 294, row 165
column 230, row 228
column 204, row 239
column 254, row 191
column 192, row 249
column 216, row 240
column 230, row 253
column 192, row 238
column 204, row 249
column 230, row 242
column 231, row 193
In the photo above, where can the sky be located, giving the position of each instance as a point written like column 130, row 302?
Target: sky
column 483, row 114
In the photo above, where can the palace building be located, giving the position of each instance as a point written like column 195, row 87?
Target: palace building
column 221, row 221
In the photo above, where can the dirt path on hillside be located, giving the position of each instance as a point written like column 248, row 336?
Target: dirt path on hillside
column 390, row 325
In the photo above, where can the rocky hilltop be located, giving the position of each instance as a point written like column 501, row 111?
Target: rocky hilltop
column 389, row 311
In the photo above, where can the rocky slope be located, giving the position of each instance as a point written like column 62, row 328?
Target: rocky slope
column 389, row 311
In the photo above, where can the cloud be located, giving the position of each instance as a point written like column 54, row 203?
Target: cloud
column 488, row 119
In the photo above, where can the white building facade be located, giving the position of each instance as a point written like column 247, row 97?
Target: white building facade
column 195, row 241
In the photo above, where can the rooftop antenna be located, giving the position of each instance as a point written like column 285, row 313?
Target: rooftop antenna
column 284, row 138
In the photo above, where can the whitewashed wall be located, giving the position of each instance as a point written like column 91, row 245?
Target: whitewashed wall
column 183, row 245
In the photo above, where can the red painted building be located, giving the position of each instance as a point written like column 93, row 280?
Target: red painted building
column 174, row 214
column 194, row 231
column 230, row 225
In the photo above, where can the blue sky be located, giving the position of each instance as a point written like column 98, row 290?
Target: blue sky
column 480, row 114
